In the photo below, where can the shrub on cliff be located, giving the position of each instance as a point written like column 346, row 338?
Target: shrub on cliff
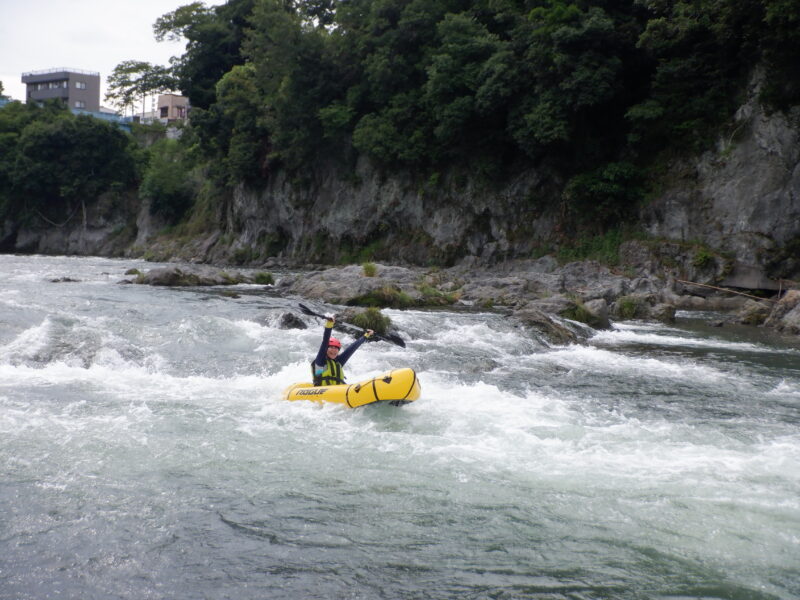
column 167, row 182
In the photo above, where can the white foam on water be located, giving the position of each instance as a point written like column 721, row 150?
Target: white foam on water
column 479, row 336
column 13, row 299
column 643, row 326
column 623, row 336
column 537, row 433
column 112, row 406
column 604, row 361
column 28, row 343
column 786, row 390
column 254, row 330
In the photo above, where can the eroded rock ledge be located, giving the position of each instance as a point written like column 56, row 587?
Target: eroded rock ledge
column 538, row 293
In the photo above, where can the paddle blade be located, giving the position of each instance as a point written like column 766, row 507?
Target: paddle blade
column 391, row 338
column 307, row 311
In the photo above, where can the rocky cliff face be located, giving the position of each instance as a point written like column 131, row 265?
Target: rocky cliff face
column 742, row 199
column 398, row 217
column 108, row 229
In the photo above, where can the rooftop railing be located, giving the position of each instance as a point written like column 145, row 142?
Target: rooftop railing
column 61, row 70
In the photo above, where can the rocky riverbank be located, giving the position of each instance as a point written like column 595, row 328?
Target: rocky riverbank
column 541, row 293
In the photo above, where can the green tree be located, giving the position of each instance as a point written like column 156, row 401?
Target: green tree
column 132, row 80
column 167, row 183
column 781, row 51
column 573, row 75
column 63, row 164
column 701, row 52
column 295, row 77
column 456, row 88
column 603, row 197
column 391, row 44
column 176, row 25
column 591, row 91
column 214, row 38
column 244, row 137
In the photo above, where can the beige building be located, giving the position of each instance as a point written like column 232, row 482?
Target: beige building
column 172, row 107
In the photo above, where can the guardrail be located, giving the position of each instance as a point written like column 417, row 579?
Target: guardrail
column 61, row 70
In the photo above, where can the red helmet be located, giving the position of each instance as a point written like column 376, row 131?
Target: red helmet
column 335, row 343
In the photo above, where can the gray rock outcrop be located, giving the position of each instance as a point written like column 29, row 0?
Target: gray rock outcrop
column 785, row 316
column 742, row 198
column 190, row 276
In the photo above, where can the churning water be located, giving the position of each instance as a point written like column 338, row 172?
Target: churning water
column 146, row 453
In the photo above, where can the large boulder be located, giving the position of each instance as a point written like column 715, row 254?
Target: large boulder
column 389, row 286
column 785, row 316
column 556, row 305
column 598, row 311
column 753, row 312
column 663, row 312
column 553, row 332
column 791, row 321
column 190, row 275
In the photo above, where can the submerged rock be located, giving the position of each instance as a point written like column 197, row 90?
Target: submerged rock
column 291, row 321
column 553, row 331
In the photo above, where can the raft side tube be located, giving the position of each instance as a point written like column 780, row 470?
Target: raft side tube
column 400, row 386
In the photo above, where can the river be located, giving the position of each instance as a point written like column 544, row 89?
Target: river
column 146, row 453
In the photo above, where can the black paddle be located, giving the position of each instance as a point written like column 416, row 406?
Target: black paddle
column 389, row 337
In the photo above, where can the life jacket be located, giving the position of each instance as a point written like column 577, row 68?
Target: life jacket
column 332, row 375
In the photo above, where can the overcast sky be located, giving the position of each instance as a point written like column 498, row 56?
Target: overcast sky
column 90, row 35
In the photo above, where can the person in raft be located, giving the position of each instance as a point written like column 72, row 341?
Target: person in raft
column 327, row 366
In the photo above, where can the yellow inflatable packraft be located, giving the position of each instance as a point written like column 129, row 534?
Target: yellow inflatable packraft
column 400, row 386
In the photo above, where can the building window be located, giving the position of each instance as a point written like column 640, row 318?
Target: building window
column 164, row 112
column 81, row 85
column 80, row 104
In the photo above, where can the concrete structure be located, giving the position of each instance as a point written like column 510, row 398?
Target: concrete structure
column 172, row 107
column 123, row 123
column 78, row 89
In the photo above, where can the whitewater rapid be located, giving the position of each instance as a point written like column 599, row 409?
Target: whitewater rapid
column 147, row 453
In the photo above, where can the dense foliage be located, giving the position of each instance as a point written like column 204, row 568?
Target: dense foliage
column 596, row 89
column 167, row 182
column 52, row 163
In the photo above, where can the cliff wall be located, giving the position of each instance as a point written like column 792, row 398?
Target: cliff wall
column 741, row 199
column 397, row 217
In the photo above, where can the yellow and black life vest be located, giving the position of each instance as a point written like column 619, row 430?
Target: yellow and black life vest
column 332, row 375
